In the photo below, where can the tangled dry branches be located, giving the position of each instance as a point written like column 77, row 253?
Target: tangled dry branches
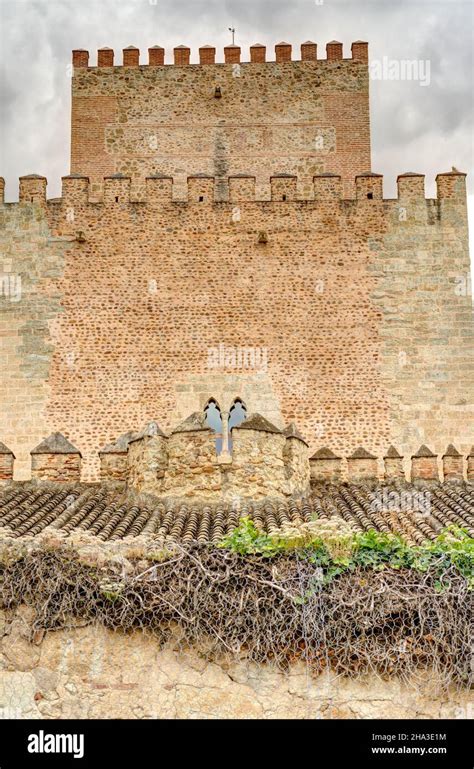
column 365, row 621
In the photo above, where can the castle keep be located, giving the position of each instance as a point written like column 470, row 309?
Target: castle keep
column 232, row 371
column 222, row 239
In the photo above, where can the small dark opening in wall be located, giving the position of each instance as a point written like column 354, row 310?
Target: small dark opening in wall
column 370, row 195
column 201, row 198
column 283, row 197
column 116, row 199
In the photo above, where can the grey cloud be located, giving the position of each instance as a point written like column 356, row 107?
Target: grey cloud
column 428, row 129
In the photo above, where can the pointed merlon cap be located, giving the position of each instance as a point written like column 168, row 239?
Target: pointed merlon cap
column 327, row 175
column 75, row 176
column 32, row 176
column 423, row 451
column 452, row 173
column 121, row 444
column 196, row 421
column 324, row 453
column 471, row 453
column 149, row 431
column 257, row 422
column 5, row 450
column 361, row 453
column 292, row 432
column 55, row 444
column 370, row 174
column 451, row 451
column 131, row 48
column 156, row 48
column 282, row 43
column 392, row 453
column 257, row 45
column 409, row 173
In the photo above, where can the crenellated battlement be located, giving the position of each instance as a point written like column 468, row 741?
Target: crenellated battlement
column 265, row 462
column 283, row 52
column 207, row 190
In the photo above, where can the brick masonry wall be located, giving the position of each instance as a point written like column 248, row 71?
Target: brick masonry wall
column 62, row 468
column 295, row 117
column 118, row 328
column 6, row 467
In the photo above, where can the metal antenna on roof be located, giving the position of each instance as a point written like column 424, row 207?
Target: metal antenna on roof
column 232, row 29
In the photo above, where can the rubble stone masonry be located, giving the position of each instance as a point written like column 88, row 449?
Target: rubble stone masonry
column 92, row 672
column 298, row 117
column 368, row 338
column 234, row 228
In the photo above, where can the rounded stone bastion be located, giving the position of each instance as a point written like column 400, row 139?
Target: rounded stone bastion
column 264, row 461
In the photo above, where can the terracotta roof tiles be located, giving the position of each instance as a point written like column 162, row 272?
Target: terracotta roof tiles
column 27, row 508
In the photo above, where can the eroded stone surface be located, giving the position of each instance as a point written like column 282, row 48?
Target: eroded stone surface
column 90, row 672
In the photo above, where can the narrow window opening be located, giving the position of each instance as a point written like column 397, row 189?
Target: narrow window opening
column 201, row 198
column 370, row 195
column 283, row 197
column 116, row 199
column 214, row 420
column 237, row 414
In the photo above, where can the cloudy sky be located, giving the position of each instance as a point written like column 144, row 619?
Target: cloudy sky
column 426, row 128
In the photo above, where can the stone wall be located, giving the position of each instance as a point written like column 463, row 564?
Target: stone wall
column 427, row 325
column 62, row 468
column 297, row 117
column 90, row 672
column 357, row 304
column 147, row 462
column 192, row 465
column 31, row 261
column 258, row 468
column 297, row 469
